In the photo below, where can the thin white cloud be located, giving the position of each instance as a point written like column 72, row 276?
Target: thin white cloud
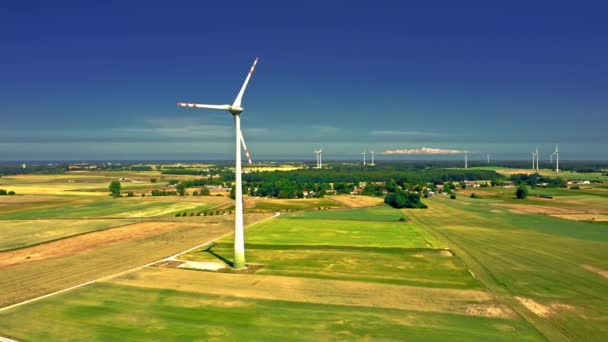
column 424, row 150
column 186, row 128
column 400, row 133
column 325, row 129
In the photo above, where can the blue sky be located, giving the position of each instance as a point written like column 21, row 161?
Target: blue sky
column 100, row 80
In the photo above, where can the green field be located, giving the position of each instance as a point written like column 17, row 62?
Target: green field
column 316, row 232
column 108, row 312
column 464, row 269
column 553, row 262
column 23, row 233
column 379, row 213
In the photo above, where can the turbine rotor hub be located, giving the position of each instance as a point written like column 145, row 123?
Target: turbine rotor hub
column 236, row 109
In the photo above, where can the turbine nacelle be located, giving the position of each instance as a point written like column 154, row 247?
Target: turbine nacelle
column 235, row 110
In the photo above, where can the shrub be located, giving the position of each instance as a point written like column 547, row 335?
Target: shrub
column 402, row 219
column 3, row 192
column 575, row 187
column 521, row 192
column 452, row 196
column 129, row 194
column 474, row 195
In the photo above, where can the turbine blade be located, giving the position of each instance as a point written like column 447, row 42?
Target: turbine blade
column 245, row 147
column 239, row 97
column 206, row 106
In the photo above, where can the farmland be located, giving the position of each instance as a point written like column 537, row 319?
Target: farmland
column 485, row 268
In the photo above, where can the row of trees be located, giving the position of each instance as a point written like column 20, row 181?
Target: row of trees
column 4, row 193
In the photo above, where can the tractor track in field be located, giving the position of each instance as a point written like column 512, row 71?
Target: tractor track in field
column 126, row 271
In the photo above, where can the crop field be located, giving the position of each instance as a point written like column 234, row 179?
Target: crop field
column 71, row 184
column 590, row 204
column 24, row 233
column 363, row 276
column 274, row 205
column 550, row 270
column 357, row 201
column 378, row 213
column 489, row 268
column 111, row 208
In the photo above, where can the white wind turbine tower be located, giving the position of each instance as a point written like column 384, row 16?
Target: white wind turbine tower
column 537, row 154
column 363, row 153
column 533, row 160
column 556, row 153
column 372, row 153
column 319, row 157
column 235, row 109
column 488, row 155
column 466, row 159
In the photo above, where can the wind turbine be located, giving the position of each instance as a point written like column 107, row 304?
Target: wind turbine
column 466, row 159
column 533, row 160
column 363, row 153
column 319, row 158
column 488, row 155
column 235, row 109
column 372, row 152
column 537, row 154
column 556, row 158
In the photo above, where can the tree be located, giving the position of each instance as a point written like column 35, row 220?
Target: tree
column 521, row 192
column 401, row 199
column 181, row 188
column 115, row 189
column 233, row 192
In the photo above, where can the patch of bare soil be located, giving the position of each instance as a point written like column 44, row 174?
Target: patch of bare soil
column 599, row 271
column 321, row 291
column 536, row 308
column 94, row 240
column 584, row 217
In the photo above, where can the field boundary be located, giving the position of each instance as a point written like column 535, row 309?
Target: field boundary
column 127, row 271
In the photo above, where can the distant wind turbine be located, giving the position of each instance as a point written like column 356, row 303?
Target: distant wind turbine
column 363, row 153
column 488, row 155
column 372, row 153
column 235, row 109
column 556, row 153
column 466, row 159
column 319, row 158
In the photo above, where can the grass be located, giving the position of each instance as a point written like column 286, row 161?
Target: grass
column 318, row 232
column 379, row 213
column 23, row 233
column 110, row 208
column 531, row 256
column 403, row 266
column 108, row 312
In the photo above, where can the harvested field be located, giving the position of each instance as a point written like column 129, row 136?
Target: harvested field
column 23, row 233
column 357, row 201
column 53, row 270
